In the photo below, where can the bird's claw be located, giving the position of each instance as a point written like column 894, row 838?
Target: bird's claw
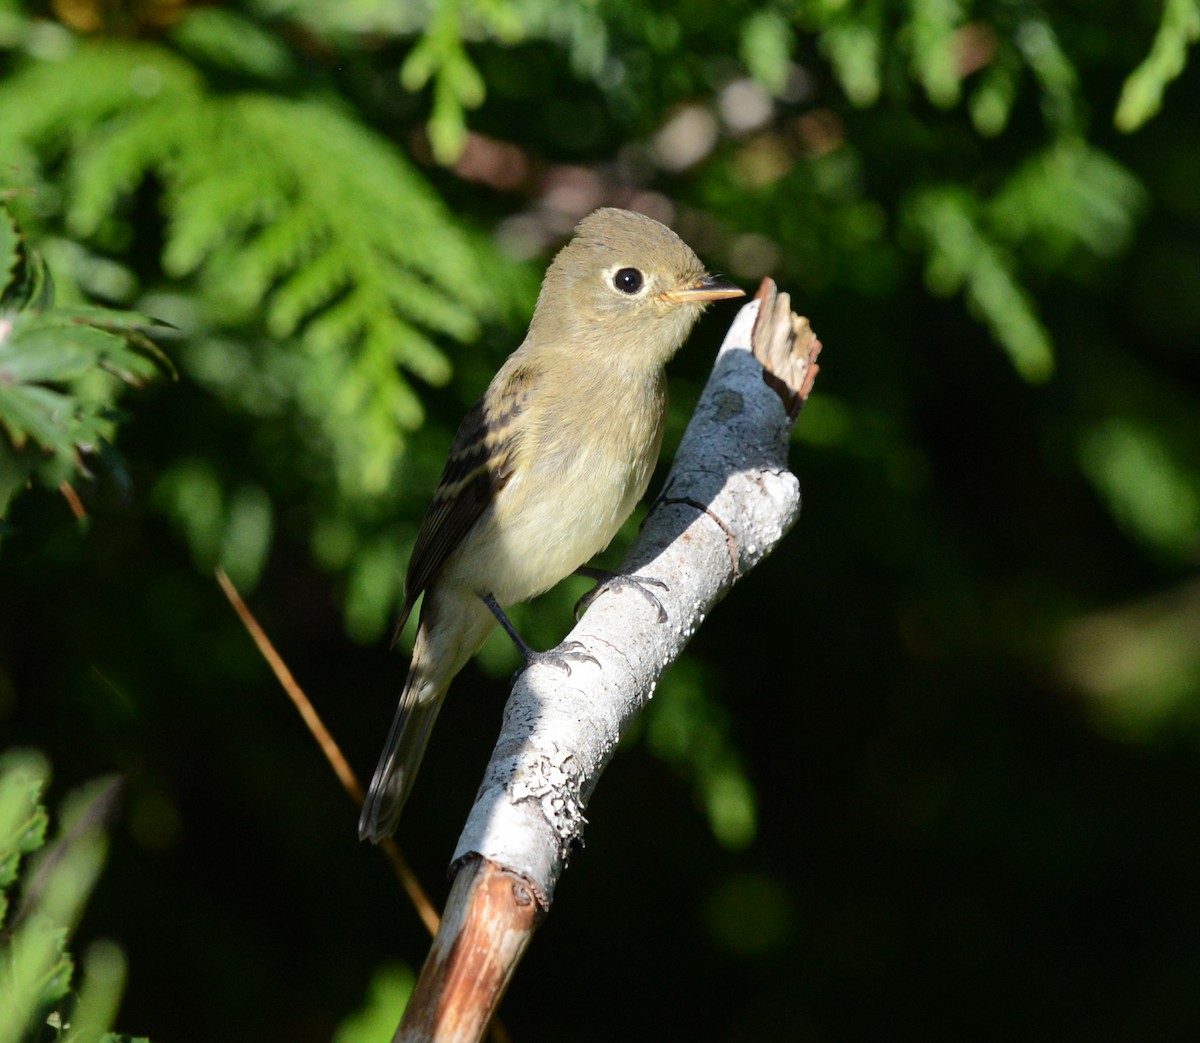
column 617, row 581
column 562, row 656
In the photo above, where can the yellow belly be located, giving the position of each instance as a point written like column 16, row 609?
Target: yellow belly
column 566, row 499
column 551, row 528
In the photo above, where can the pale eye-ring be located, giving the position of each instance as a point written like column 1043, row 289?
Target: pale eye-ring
column 628, row 280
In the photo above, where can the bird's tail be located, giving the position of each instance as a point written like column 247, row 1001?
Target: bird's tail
column 400, row 760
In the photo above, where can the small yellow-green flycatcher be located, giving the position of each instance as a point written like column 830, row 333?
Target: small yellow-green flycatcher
column 548, row 465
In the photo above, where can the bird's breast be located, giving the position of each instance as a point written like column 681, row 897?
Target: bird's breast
column 582, row 467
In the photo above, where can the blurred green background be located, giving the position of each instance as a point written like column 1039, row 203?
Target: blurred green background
column 931, row 771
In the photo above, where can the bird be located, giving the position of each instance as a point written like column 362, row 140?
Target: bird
column 546, row 467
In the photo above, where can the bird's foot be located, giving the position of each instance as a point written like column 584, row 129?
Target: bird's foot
column 616, row 581
column 563, row 656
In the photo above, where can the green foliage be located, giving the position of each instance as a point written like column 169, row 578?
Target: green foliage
column 442, row 58
column 853, row 44
column 386, row 999
column 963, row 257
column 766, row 47
column 324, row 234
column 229, row 40
column 689, row 729
column 932, row 27
column 1151, row 489
column 35, row 967
column 230, row 529
column 24, row 281
column 1066, row 199
column 1052, row 69
column 1141, row 97
column 1139, row 664
column 61, row 370
column 750, row 914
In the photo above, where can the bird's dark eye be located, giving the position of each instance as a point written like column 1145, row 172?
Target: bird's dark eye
column 628, row 280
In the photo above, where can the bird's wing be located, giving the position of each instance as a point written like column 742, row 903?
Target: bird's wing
column 481, row 462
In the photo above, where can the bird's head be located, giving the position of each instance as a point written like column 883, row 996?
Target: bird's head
column 625, row 287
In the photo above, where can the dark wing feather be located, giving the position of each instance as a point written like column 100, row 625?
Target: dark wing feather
column 480, row 464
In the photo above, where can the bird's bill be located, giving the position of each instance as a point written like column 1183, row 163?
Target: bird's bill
column 709, row 288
